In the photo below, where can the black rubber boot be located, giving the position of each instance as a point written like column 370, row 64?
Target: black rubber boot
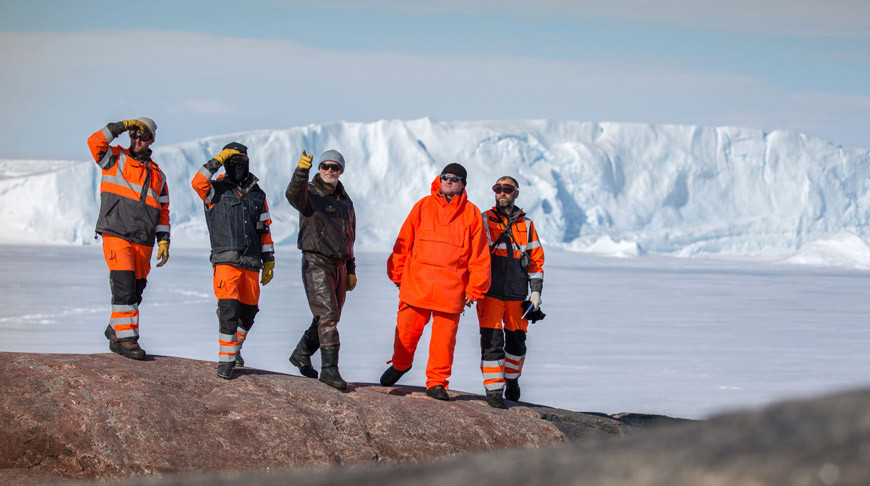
column 512, row 389
column 113, row 341
column 438, row 392
column 329, row 369
column 301, row 356
column 129, row 348
column 494, row 398
column 391, row 376
column 240, row 362
column 225, row 370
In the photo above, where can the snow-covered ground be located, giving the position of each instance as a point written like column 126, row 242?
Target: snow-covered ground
column 675, row 336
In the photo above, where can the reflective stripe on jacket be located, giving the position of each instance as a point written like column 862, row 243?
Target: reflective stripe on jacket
column 441, row 256
column 134, row 197
column 238, row 219
column 511, row 280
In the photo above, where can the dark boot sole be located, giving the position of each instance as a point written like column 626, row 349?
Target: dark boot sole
column 338, row 385
column 304, row 368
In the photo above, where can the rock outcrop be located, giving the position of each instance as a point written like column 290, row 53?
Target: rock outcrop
column 821, row 442
column 102, row 416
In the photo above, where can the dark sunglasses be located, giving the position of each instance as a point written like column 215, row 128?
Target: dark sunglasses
column 332, row 167
column 505, row 188
column 143, row 136
column 450, row 178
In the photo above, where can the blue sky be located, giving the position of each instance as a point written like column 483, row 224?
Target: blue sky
column 203, row 68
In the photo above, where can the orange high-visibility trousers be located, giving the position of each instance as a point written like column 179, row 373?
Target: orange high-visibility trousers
column 502, row 340
column 409, row 327
column 129, row 264
column 238, row 293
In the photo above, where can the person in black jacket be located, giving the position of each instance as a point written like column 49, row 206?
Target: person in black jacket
column 327, row 229
column 241, row 244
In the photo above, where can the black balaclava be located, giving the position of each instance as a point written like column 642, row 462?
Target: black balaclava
column 237, row 165
column 237, row 168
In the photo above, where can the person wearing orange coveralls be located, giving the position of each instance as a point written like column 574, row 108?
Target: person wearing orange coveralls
column 134, row 212
column 441, row 264
column 238, row 221
column 517, row 267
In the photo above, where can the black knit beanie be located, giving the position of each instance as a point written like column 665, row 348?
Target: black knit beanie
column 456, row 170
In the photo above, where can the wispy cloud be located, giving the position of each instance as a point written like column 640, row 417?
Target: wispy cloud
column 196, row 85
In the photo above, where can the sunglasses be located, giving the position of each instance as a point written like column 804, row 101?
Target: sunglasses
column 503, row 188
column 143, row 136
column 332, row 167
column 450, row 178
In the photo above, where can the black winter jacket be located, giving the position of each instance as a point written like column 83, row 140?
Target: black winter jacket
column 327, row 222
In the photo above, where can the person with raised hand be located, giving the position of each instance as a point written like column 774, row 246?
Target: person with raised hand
column 237, row 215
column 134, row 213
column 327, row 230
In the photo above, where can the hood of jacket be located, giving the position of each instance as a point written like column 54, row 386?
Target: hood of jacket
column 448, row 210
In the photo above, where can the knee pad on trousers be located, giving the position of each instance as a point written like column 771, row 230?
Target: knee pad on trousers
column 515, row 342
column 491, row 344
column 228, row 312
column 247, row 313
column 124, row 287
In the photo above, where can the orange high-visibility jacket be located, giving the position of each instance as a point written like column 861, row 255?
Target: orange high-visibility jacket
column 134, row 197
column 511, row 280
column 441, row 254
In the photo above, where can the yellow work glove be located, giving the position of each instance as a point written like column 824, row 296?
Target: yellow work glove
column 305, row 160
column 351, row 282
column 268, row 272
column 136, row 125
column 162, row 252
column 226, row 154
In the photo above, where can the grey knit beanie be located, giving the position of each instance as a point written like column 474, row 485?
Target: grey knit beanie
column 333, row 156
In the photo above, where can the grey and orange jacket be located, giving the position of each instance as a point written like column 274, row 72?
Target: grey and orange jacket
column 134, row 197
column 237, row 217
column 517, row 255
column 440, row 256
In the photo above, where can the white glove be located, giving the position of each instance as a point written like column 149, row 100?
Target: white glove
column 535, row 299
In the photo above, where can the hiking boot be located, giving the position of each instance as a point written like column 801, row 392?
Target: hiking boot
column 113, row 341
column 438, row 392
column 301, row 357
column 225, row 370
column 391, row 376
column 129, row 348
column 329, row 369
column 239, row 360
column 512, row 389
column 494, row 398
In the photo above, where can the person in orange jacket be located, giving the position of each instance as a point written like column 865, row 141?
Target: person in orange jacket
column 134, row 212
column 441, row 264
column 517, row 267
column 238, row 221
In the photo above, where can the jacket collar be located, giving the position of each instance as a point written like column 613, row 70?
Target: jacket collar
column 250, row 181
column 457, row 200
column 326, row 189
column 515, row 215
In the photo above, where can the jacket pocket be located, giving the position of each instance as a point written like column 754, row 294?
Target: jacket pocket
column 439, row 248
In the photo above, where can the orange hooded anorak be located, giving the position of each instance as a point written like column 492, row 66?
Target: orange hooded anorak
column 441, row 255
